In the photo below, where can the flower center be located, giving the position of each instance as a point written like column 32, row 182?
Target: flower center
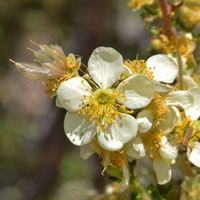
column 159, row 107
column 103, row 108
column 103, row 98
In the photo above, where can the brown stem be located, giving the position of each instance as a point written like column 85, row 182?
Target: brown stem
column 166, row 9
column 174, row 7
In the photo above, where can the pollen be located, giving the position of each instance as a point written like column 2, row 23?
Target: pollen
column 159, row 107
column 53, row 84
column 139, row 67
column 151, row 142
column 169, row 45
column 103, row 108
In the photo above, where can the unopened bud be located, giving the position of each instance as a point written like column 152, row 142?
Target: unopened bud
column 156, row 44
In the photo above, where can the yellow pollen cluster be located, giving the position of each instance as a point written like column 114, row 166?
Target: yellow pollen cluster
column 53, row 84
column 188, row 131
column 116, row 158
column 189, row 16
column 72, row 62
column 103, row 108
column 159, row 107
column 139, row 67
column 151, row 142
column 136, row 4
column 197, row 79
column 195, row 133
column 181, row 128
column 169, row 46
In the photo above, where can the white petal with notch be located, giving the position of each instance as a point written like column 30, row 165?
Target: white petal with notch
column 164, row 69
column 79, row 130
column 162, row 170
column 180, row 98
column 138, row 91
column 124, row 130
column 105, row 66
column 70, row 93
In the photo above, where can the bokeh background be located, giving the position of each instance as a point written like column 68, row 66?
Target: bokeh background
column 37, row 162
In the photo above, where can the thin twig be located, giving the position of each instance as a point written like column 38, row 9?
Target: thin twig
column 166, row 9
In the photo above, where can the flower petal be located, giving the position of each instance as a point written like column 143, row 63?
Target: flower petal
column 180, row 98
column 194, row 110
column 183, row 58
column 126, row 72
column 162, row 170
column 121, row 132
column 188, row 82
column 70, row 93
column 193, row 154
column 145, row 120
column 78, row 129
column 139, row 91
column 125, row 180
column 86, row 151
column 135, row 148
column 160, row 87
column 105, row 66
column 164, row 69
column 144, row 125
column 178, row 114
column 139, row 147
column 169, row 122
column 168, row 151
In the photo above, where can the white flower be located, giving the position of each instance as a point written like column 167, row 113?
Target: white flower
column 168, row 152
column 99, row 104
column 146, row 119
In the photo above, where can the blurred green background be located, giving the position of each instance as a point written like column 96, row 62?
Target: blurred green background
column 37, row 162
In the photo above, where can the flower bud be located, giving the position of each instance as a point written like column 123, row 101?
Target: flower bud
column 156, row 44
column 114, row 172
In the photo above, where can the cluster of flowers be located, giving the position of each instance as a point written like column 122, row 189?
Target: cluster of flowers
column 123, row 110
column 184, row 15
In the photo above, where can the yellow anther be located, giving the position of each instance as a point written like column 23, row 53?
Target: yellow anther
column 125, row 82
column 151, row 156
column 107, row 131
